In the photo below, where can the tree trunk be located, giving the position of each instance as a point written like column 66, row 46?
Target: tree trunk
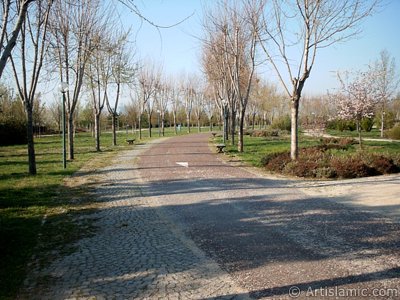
column 241, row 129
column 140, row 126
column 188, row 122
column 31, row 143
column 198, row 125
column 233, row 127
column 382, row 123
column 175, row 127
column 71, row 137
column 294, row 137
column 359, row 133
column 114, row 131
column 149, row 116
column 97, row 131
column 162, row 125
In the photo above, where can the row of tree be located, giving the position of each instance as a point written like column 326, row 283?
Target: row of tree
column 79, row 40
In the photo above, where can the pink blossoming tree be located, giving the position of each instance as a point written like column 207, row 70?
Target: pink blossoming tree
column 358, row 98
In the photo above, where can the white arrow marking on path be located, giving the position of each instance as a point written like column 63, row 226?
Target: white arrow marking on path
column 183, row 164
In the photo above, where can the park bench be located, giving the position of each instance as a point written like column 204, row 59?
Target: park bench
column 220, row 148
column 130, row 141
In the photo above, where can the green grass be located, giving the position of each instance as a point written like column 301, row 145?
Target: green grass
column 257, row 147
column 25, row 200
column 374, row 133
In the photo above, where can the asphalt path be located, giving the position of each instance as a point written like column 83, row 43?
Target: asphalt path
column 274, row 240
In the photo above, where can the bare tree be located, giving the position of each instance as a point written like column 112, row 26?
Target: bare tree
column 148, row 81
column 33, row 44
column 234, row 50
column 210, row 105
column 319, row 24
column 214, row 61
column 198, row 104
column 164, row 95
column 122, row 71
column 13, row 16
column 55, row 111
column 99, row 73
column 175, row 102
column 385, row 68
column 188, row 92
column 73, row 26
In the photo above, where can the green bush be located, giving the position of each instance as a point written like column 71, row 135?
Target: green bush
column 394, row 133
column 248, row 132
column 389, row 119
column 367, row 124
column 341, row 125
column 282, row 123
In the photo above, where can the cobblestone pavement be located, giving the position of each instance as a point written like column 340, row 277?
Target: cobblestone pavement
column 137, row 252
column 180, row 223
column 274, row 240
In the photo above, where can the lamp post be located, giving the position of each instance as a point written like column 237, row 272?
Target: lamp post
column 63, row 89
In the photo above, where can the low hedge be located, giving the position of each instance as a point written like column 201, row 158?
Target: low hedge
column 320, row 162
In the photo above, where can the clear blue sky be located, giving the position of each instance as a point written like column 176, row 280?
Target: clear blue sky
column 178, row 49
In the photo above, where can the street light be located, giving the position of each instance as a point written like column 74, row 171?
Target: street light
column 63, row 89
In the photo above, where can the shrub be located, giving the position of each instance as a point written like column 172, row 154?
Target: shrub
column 325, row 172
column 394, row 133
column 329, row 140
column 248, row 132
column 341, row 125
column 366, row 124
column 347, row 142
column 302, row 168
column 314, row 162
column 383, row 164
column 265, row 133
column 351, row 167
column 282, row 123
column 335, row 143
column 389, row 119
column 276, row 162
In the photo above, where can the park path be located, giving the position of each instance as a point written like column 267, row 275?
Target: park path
column 177, row 222
column 136, row 252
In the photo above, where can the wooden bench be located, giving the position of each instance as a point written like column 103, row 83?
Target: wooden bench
column 130, row 141
column 220, row 148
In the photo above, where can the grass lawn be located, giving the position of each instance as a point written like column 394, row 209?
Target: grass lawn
column 25, row 201
column 374, row 133
column 257, row 147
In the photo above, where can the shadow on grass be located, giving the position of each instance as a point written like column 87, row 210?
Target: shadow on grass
column 25, row 232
